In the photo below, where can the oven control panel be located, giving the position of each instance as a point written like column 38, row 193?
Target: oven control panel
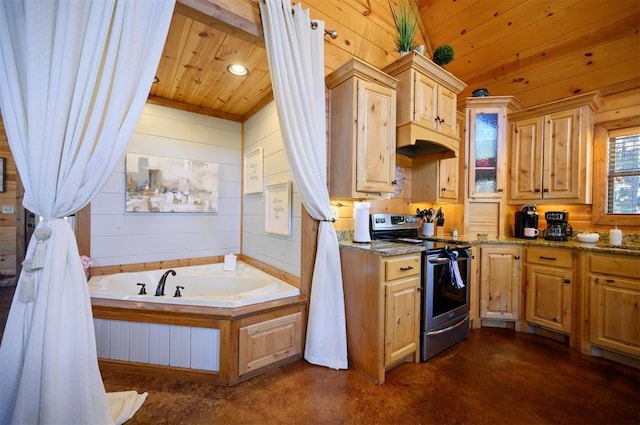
column 393, row 221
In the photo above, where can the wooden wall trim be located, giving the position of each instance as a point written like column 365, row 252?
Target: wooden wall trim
column 598, row 214
column 183, row 106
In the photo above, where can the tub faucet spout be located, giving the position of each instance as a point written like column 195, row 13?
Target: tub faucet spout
column 163, row 279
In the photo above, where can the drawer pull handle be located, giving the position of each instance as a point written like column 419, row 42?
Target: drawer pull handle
column 404, row 269
column 548, row 258
column 567, row 281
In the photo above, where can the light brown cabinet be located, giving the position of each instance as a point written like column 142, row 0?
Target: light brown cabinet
column 551, row 151
column 382, row 310
column 435, row 180
column 487, row 133
column 614, row 291
column 362, row 131
column 427, row 102
column 549, row 288
column 500, row 273
column 268, row 342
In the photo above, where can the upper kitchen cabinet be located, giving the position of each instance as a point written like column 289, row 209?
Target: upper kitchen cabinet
column 485, row 155
column 362, row 122
column 551, row 151
column 437, row 180
column 427, row 107
column 486, row 144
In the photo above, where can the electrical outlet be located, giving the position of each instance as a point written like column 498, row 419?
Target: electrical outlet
column 8, row 209
column 334, row 212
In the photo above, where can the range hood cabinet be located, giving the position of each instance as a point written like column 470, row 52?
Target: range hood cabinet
column 426, row 107
column 415, row 140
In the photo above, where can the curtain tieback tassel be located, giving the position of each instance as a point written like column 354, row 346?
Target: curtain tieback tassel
column 42, row 234
column 28, row 284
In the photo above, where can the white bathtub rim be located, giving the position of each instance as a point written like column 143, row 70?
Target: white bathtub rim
column 273, row 288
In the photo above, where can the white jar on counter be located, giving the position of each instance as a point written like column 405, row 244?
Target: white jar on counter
column 615, row 236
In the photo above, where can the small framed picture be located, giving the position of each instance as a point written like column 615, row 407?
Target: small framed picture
column 278, row 208
column 3, row 175
column 253, row 171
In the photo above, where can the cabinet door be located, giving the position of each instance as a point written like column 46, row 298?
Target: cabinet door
column 447, row 111
column 376, row 138
column 614, row 315
column 500, row 283
column 486, row 161
column 426, row 101
column 448, row 178
column 562, row 144
column 549, row 292
column 401, row 319
column 526, row 159
column 267, row 342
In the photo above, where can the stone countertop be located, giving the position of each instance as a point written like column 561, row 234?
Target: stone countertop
column 386, row 248
column 382, row 248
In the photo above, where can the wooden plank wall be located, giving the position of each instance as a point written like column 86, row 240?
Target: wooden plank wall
column 118, row 237
column 7, row 220
column 280, row 251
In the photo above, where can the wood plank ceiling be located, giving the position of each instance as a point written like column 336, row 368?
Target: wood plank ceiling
column 537, row 50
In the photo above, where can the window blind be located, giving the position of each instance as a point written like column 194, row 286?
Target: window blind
column 623, row 176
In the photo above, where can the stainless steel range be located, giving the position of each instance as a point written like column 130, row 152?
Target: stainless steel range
column 444, row 302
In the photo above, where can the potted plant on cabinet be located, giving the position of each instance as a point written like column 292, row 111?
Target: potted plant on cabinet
column 443, row 55
column 406, row 23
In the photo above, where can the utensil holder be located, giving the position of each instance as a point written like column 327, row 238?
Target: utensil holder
column 427, row 229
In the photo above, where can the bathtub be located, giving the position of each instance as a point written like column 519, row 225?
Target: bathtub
column 204, row 285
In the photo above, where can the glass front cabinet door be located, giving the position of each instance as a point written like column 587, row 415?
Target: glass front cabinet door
column 487, row 137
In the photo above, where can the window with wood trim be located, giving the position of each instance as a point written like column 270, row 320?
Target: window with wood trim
column 616, row 177
column 623, row 174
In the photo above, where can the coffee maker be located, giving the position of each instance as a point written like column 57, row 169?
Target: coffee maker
column 526, row 222
column 558, row 228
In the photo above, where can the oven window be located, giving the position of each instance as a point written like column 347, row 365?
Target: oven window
column 448, row 297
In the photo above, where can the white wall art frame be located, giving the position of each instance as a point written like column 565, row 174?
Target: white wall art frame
column 278, row 208
column 162, row 184
column 253, row 171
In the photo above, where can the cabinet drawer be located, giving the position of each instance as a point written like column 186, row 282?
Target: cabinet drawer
column 615, row 265
column 399, row 267
column 557, row 257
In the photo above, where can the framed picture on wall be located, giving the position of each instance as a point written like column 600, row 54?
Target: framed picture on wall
column 170, row 185
column 3, row 173
column 253, row 171
column 278, row 208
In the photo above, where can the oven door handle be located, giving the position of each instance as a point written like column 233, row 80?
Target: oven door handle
column 457, row 325
column 441, row 260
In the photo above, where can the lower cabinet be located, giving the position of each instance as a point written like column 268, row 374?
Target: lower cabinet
column 382, row 306
column 500, row 271
column 268, row 342
column 614, row 312
column 549, row 288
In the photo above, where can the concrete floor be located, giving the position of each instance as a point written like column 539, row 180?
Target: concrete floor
column 494, row 377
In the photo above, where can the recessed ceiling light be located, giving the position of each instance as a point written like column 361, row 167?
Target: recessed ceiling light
column 237, row 69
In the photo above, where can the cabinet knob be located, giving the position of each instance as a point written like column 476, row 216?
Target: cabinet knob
column 500, row 190
column 517, row 257
column 545, row 190
column 537, row 190
column 567, row 281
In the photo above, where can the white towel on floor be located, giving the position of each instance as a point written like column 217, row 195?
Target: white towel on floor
column 124, row 405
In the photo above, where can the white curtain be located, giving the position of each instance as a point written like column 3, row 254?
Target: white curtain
column 295, row 53
column 74, row 77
